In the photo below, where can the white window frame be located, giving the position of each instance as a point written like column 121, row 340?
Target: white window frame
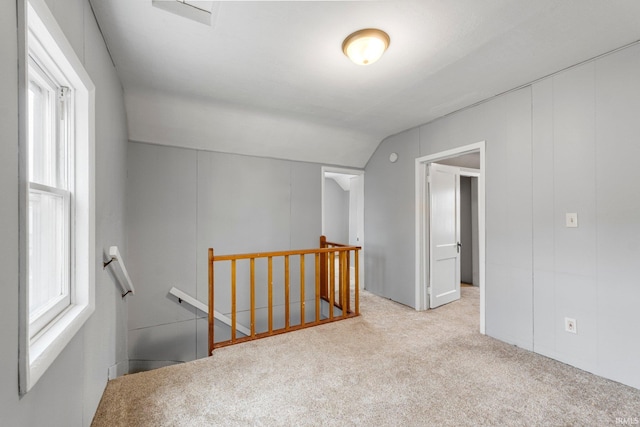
column 44, row 74
column 39, row 349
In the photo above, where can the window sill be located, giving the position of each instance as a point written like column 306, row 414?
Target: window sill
column 50, row 343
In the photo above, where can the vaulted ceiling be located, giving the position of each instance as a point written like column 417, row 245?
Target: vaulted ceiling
column 270, row 79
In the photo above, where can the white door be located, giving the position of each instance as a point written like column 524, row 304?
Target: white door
column 444, row 234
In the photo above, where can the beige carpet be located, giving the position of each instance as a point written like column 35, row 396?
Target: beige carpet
column 392, row 366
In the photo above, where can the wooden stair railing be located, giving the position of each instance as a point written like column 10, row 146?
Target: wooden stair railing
column 325, row 260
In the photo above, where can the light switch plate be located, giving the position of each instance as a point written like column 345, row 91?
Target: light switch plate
column 572, row 220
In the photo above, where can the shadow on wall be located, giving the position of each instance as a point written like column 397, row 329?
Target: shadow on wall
column 149, row 350
column 376, row 271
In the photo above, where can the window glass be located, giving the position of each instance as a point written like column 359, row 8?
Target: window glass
column 48, row 278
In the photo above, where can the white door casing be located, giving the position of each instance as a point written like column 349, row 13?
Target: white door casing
column 444, row 238
column 356, row 223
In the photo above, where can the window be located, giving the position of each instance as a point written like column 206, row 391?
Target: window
column 50, row 151
column 57, row 247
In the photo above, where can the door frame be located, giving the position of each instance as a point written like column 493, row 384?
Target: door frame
column 360, row 216
column 422, row 226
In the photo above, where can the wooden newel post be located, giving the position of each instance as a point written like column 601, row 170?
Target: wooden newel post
column 323, row 269
column 211, row 305
column 357, row 281
column 347, row 281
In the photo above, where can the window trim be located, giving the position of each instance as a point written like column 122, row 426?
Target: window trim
column 38, row 354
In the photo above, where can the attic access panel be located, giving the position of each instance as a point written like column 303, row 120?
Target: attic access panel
column 195, row 10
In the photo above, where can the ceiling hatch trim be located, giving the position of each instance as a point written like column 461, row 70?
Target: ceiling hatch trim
column 203, row 12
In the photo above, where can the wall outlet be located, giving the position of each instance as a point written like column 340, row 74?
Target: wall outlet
column 570, row 325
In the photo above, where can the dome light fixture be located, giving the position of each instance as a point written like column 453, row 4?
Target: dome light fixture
column 366, row 46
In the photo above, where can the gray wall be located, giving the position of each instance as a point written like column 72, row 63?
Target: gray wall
column 180, row 202
column 336, row 212
column 585, row 133
column 566, row 144
column 69, row 392
column 389, row 208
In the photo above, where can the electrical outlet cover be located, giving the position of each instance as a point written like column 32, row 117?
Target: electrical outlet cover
column 572, row 220
column 570, row 325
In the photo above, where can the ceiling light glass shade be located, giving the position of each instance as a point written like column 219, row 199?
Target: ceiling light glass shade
column 366, row 46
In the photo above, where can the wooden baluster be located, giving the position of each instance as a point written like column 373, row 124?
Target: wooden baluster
column 357, row 284
column 332, row 282
column 340, row 283
column 270, row 290
column 344, row 279
column 286, row 292
column 233, row 300
column 338, row 273
column 302, row 314
column 211, row 306
column 323, row 269
column 253, row 296
column 318, row 287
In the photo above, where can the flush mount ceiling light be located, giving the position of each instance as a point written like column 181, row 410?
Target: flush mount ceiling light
column 366, row 46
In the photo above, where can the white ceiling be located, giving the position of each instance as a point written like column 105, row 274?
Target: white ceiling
column 270, row 79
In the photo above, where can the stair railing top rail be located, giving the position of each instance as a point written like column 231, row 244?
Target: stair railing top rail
column 341, row 248
column 327, row 244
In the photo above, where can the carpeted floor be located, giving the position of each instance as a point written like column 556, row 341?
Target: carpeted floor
column 392, row 366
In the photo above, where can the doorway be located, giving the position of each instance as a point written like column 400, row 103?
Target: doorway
column 469, row 265
column 458, row 157
column 343, row 210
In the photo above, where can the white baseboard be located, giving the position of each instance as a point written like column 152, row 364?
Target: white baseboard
column 117, row 370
